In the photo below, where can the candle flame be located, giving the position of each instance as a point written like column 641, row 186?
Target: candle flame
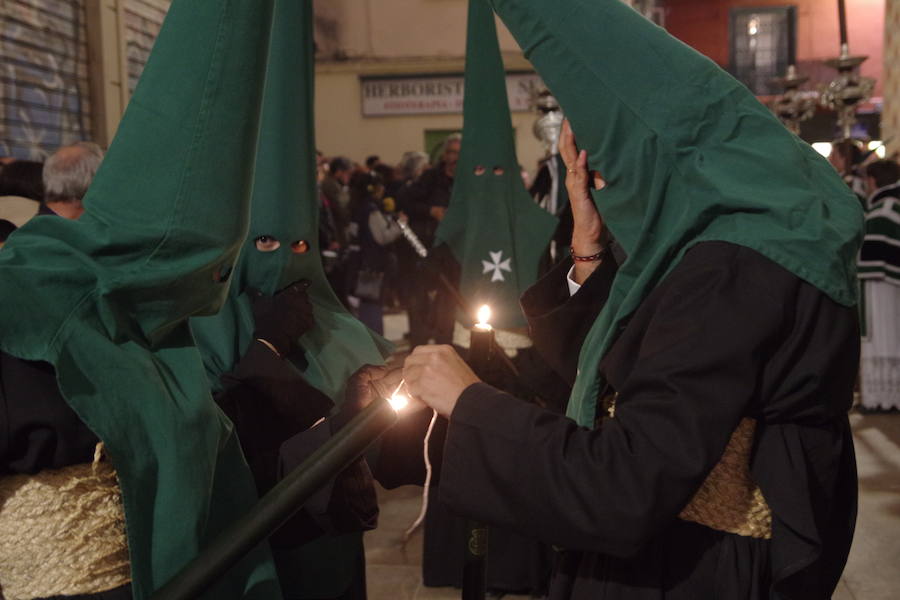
column 484, row 315
column 398, row 399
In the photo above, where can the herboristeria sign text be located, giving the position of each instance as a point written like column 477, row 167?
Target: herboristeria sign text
column 434, row 94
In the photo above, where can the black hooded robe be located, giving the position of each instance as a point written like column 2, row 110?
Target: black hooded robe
column 725, row 324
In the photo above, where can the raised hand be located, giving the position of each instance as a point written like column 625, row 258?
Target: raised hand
column 588, row 222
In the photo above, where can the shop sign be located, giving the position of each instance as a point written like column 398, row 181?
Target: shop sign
column 437, row 94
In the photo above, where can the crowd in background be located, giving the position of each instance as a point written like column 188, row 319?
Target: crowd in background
column 372, row 269
column 363, row 208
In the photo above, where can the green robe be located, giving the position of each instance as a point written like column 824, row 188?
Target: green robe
column 285, row 208
column 106, row 299
column 494, row 228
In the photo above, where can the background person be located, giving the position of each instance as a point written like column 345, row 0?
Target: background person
column 432, row 310
column 67, row 175
column 376, row 231
column 879, row 270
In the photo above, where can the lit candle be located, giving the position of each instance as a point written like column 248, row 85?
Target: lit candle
column 399, row 400
column 484, row 315
column 482, row 342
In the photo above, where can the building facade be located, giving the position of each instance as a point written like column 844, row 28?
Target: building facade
column 388, row 72
column 69, row 68
column 800, row 32
column 389, row 78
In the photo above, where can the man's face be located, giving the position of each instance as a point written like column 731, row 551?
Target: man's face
column 450, row 157
column 343, row 177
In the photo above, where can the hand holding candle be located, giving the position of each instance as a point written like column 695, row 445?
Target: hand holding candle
column 437, row 376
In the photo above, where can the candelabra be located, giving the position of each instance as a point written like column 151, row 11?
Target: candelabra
column 848, row 90
column 794, row 106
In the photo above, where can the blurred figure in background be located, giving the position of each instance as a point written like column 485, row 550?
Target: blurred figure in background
column 21, row 190
column 412, row 165
column 372, row 161
column 375, row 231
column 846, row 157
column 334, row 220
column 321, row 167
column 391, row 298
column 336, row 196
column 22, row 178
column 432, row 311
column 67, row 175
column 879, row 270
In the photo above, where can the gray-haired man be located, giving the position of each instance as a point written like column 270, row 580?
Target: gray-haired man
column 67, row 175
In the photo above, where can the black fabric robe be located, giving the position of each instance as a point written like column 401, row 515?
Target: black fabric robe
column 274, row 409
column 728, row 334
column 515, row 563
column 39, row 430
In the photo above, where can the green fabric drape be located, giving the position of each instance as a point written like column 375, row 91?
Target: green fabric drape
column 285, row 207
column 494, row 228
column 689, row 155
column 106, row 299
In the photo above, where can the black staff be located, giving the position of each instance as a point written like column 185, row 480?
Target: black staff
column 481, row 350
column 282, row 501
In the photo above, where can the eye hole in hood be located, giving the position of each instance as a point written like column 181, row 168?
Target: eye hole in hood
column 267, row 243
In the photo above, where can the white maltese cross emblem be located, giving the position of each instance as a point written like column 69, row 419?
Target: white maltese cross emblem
column 497, row 265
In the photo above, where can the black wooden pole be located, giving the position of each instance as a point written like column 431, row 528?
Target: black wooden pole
column 282, row 501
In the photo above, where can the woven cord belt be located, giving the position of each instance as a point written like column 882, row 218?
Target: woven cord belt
column 729, row 500
column 62, row 532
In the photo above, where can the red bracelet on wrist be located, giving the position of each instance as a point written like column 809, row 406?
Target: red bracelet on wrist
column 590, row 258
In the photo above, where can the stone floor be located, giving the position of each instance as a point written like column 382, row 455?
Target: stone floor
column 873, row 569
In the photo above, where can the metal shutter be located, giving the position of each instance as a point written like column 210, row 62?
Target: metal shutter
column 44, row 94
column 143, row 18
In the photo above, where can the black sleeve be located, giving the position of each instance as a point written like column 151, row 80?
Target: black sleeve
column 344, row 504
column 268, row 400
column 610, row 490
column 38, row 428
column 280, row 390
column 559, row 322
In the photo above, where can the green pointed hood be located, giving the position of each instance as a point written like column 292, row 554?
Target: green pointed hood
column 106, row 299
column 494, row 228
column 689, row 155
column 285, row 208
